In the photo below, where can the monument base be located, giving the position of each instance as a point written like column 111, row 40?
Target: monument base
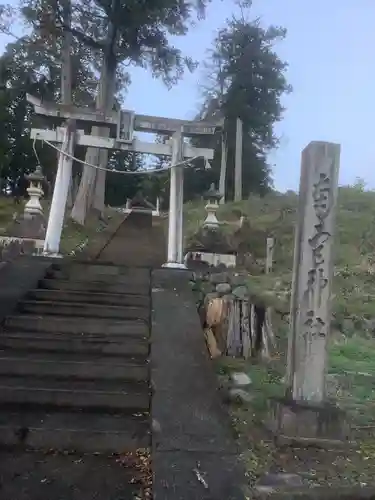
column 307, row 424
column 29, row 226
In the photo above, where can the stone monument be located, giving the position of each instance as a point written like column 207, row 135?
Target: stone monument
column 305, row 412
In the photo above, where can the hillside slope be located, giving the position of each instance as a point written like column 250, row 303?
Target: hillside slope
column 352, row 349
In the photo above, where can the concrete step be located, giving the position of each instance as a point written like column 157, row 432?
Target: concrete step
column 62, row 324
column 28, row 393
column 81, row 274
column 114, row 299
column 86, row 433
column 71, row 366
column 94, row 346
column 100, row 270
column 77, row 309
column 95, row 286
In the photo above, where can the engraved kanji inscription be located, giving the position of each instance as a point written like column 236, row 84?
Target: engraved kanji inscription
column 322, row 196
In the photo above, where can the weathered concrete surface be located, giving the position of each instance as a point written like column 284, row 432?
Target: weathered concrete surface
column 37, row 476
column 68, row 431
column 96, row 345
column 17, row 278
column 74, row 366
column 95, row 286
column 82, row 395
column 135, row 277
column 114, row 299
column 82, row 310
column 61, row 324
column 59, row 358
column 193, row 427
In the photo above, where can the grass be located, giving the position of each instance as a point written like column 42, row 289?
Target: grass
column 351, row 354
column 73, row 234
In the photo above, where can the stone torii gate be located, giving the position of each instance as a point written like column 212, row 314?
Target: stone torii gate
column 122, row 125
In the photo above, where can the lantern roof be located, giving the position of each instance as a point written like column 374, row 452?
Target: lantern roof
column 37, row 175
column 213, row 193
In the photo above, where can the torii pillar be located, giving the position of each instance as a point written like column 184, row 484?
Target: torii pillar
column 176, row 203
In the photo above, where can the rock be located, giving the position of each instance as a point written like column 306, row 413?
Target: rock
column 239, row 396
column 239, row 280
column 348, row 326
column 207, row 287
column 270, row 483
column 240, row 292
column 223, row 288
column 240, row 379
column 217, row 278
column 369, row 324
column 223, row 382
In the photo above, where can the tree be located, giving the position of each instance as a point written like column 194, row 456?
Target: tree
column 247, row 80
column 119, row 186
column 116, row 32
column 29, row 65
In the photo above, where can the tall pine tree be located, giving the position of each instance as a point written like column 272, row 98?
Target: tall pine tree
column 245, row 79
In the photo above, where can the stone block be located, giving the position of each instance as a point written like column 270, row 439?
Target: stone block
column 223, row 288
column 303, row 423
column 240, row 379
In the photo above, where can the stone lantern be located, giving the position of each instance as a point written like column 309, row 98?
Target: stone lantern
column 35, row 192
column 213, row 197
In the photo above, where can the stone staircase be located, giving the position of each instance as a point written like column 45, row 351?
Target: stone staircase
column 138, row 241
column 74, row 371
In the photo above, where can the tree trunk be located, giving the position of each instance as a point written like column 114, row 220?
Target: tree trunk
column 92, row 186
column 93, row 180
column 223, row 168
column 66, row 69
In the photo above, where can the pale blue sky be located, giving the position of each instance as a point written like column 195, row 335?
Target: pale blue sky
column 330, row 50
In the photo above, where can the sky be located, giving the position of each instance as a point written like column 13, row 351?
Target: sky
column 329, row 47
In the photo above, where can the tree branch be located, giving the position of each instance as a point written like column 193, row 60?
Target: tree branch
column 83, row 38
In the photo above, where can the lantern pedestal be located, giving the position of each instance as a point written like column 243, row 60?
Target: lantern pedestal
column 211, row 219
column 213, row 197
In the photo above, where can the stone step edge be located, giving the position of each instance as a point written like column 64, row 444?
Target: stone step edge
column 86, row 285
column 51, row 303
column 100, row 338
column 113, row 295
column 62, row 317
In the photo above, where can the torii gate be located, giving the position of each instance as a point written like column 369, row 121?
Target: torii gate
column 124, row 123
